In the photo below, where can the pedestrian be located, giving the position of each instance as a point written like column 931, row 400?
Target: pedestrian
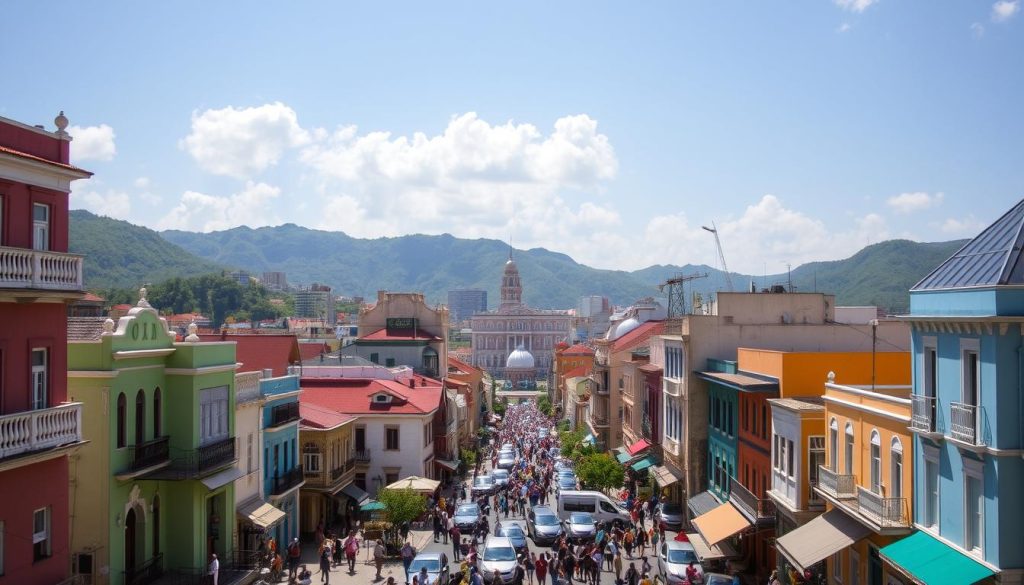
column 407, row 552
column 632, row 575
column 609, row 553
column 641, row 541
column 338, row 550
column 437, row 524
column 531, row 566
column 627, row 542
column 618, row 565
column 541, row 566
column 424, row 576
column 692, row 574
column 325, row 561
column 351, row 548
column 214, row 569
column 294, row 558
column 378, row 558
column 456, row 541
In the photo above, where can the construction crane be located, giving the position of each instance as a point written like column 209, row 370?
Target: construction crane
column 721, row 256
column 677, row 292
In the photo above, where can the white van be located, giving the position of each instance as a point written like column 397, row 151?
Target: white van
column 598, row 505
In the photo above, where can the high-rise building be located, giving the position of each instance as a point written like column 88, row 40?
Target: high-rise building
column 275, row 281
column 463, row 303
column 316, row 302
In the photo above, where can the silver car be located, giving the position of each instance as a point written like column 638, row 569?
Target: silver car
column 506, row 461
column 436, row 565
column 498, row 554
column 500, row 477
column 671, row 515
column 673, row 559
column 483, row 485
column 543, row 525
column 580, row 527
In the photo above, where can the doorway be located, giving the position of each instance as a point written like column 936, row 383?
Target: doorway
column 130, row 558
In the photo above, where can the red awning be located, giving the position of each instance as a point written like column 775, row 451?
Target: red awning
column 639, row 446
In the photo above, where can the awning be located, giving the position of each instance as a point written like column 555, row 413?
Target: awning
column 371, row 506
column 356, row 493
column 721, row 523
column 702, row 503
column 820, row 538
column 423, row 485
column 706, row 552
column 449, row 465
column 664, row 476
column 623, row 458
column 260, row 513
column 639, row 446
column 644, row 463
column 933, row 562
column 222, row 478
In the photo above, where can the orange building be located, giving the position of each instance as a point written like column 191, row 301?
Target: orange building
column 567, row 359
column 468, row 381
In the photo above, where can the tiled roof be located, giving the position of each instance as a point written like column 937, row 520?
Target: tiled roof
column 642, row 333
column 992, row 258
column 85, row 328
column 399, row 335
column 309, row 350
column 262, row 351
column 578, row 349
column 580, row 372
column 25, row 155
column 318, row 417
column 462, row 365
column 92, row 298
column 352, row 396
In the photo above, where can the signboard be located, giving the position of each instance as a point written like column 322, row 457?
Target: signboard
column 401, row 323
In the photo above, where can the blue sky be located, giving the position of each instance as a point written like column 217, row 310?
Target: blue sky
column 606, row 130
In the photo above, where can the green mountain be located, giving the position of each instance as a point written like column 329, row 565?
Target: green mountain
column 119, row 254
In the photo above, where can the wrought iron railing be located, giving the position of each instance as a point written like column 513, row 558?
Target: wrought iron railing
column 35, row 430
column 146, row 573
column 284, row 414
column 287, row 480
column 922, row 417
column 200, row 462
column 150, row 453
column 963, row 422
column 362, row 455
column 839, row 486
column 38, row 269
column 886, row 512
column 338, row 472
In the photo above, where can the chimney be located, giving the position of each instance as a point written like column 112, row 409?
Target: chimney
column 268, row 373
column 412, row 382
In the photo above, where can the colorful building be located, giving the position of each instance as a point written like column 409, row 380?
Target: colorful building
column 400, row 329
column 568, row 358
column 154, row 487
column 328, row 497
column 282, row 469
column 967, row 410
column 39, row 426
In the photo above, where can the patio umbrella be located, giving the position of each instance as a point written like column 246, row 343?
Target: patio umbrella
column 422, row 485
column 371, row 506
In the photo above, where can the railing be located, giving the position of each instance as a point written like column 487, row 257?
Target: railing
column 150, row 453
column 362, row 455
column 922, row 417
column 599, row 419
column 839, row 486
column 754, row 507
column 35, row 430
column 963, row 421
column 813, row 498
column 145, row 573
column 284, row 414
column 287, row 481
column 886, row 512
column 199, row 462
column 37, row 269
column 247, row 387
column 338, row 472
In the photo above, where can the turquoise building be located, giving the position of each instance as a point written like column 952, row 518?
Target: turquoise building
column 723, row 417
column 968, row 404
column 282, row 467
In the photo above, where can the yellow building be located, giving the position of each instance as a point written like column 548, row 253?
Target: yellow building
column 865, row 482
column 329, row 495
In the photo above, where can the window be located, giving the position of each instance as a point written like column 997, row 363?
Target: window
column 427, row 434
column 837, row 566
column 39, row 379
column 776, row 448
column 41, row 534
column 971, row 374
column 389, row 362
column 213, row 414
column 158, row 414
column 854, row 568
column 360, row 481
column 848, row 450
column 764, row 421
column 896, row 469
column 728, row 421
column 974, row 508
column 931, row 479
column 375, row 358
column 250, row 463
column 833, row 444
column 790, row 468
column 310, row 458
column 876, row 462
column 140, row 417
column 931, row 368
column 390, row 477
column 40, row 226
column 391, row 440
column 122, row 422
column 816, row 458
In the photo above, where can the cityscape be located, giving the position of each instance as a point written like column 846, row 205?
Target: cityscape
column 244, row 347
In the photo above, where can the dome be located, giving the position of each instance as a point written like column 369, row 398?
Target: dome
column 520, row 359
column 626, row 326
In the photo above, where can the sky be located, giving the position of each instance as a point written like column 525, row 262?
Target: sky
column 610, row 131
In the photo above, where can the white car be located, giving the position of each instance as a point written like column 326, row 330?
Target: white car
column 483, row 485
column 673, row 559
column 500, row 477
column 498, row 554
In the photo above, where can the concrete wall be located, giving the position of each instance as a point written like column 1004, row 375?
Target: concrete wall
column 410, row 459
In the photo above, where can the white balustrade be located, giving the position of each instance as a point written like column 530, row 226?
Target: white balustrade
column 247, row 387
column 24, row 268
column 36, row 430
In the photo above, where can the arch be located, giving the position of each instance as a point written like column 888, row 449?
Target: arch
column 158, row 413
column 876, row 462
column 876, row 439
column 122, row 415
column 896, row 445
column 833, row 425
column 130, row 538
column 140, row 417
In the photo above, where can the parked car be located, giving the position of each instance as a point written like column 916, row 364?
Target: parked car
column 673, row 558
column 483, row 485
column 580, row 527
column 506, row 461
column 514, row 532
column 436, row 564
column 672, row 515
column 542, row 525
column 717, row 579
column 466, row 517
column 595, row 503
column 566, row 482
column 500, row 477
column 498, row 553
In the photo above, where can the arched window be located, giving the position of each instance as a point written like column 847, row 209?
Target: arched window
column 158, row 414
column 833, row 445
column 140, row 417
column 122, row 414
column 876, row 462
column 896, row 471
column 848, row 450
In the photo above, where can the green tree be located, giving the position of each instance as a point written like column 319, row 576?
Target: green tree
column 544, row 405
column 573, row 446
column 404, row 505
column 468, row 458
column 600, row 471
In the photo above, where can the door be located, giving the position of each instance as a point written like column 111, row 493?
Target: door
column 129, row 541
column 874, row 567
column 360, row 438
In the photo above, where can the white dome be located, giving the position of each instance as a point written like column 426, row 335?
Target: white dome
column 520, row 359
column 626, row 326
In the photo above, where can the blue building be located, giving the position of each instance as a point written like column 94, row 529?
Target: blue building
column 968, row 369
column 282, row 466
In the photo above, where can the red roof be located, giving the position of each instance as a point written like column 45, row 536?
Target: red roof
column 400, row 335
column 321, row 418
column 25, row 155
column 123, row 307
column 462, row 365
column 642, row 333
column 578, row 349
column 261, row 352
column 578, row 372
column 353, row 396
column 92, row 297
column 310, row 350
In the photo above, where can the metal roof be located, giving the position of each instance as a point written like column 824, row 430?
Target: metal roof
column 992, row 258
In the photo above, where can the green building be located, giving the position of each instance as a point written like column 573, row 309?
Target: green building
column 153, row 489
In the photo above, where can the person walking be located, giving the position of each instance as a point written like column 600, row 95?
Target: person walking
column 541, row 566
column 351, row 548
column 632, row 575
column 531, row 565
column 456, row 541
column 325, row 561
column 618, row 565
column 294, row 558
column 379, row 552
column 408, row 552
column 437, row 524
column 214, row 569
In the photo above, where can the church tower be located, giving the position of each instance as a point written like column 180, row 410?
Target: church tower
column 511, row 287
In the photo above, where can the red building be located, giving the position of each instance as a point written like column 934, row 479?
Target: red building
column 38, row 428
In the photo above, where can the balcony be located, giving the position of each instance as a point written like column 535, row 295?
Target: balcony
column 754, row 508
column 38, row 430
column 146, row 573
column 361, row 455
column 885, row 512
column 247, row 387
column 286, row 481
column 21, row 268
column 922, row 417
column 840, row 487
column 599, row 420
column 149, row 454
column 284, row 414
column 198, row 463
column 963, row 420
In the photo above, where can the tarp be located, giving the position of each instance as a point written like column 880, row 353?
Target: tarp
column 590, row 439
column 644, row 463
column 371, row 506
column 721, row 523
column 702, row 503
column 933, row 562
column 356, row 493
column 821, row 538
column 706, row 552
column 623, row 457
column 260, row 513
column 664, row 476
column 449, row 465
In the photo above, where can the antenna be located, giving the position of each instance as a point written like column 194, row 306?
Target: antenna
column 721, row 256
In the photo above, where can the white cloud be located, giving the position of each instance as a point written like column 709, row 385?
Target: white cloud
column 1005, row 10
column 240, row 142
column 963, row 227
column 845, row 27
column 911, row 202
column 90, row 194
column 141, row 183
column 92, row 142
column 855, row 5
column 977, row 30
column 206, row 213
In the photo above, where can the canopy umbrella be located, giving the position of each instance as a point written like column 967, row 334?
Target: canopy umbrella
column 422, row 485
column 371, row 506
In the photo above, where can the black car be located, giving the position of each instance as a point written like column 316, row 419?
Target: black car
column 466, row 517
column 542, row 525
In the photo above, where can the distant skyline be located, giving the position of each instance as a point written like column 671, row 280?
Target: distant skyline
column 611, row 132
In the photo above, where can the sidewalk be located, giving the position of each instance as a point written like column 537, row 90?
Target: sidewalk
column 365, row 569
